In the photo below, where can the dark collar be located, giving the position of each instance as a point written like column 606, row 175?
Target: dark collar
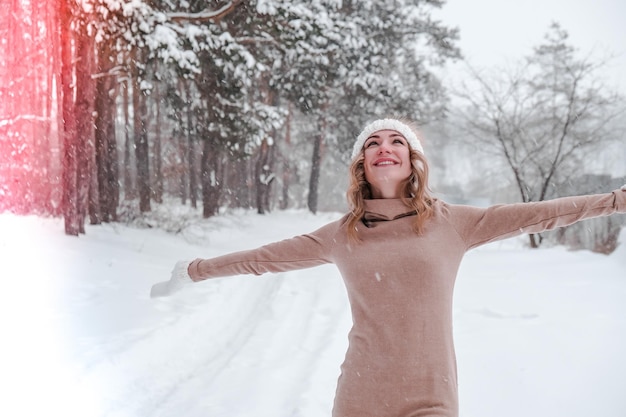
column 385, row 209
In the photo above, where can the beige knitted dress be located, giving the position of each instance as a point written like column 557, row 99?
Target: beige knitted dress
column 401, row 361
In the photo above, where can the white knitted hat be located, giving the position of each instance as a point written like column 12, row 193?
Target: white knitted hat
column 387, row 124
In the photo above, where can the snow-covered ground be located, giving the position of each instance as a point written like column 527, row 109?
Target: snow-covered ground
column 538, row 333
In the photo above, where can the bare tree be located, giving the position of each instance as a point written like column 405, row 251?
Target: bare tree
column 540, row 118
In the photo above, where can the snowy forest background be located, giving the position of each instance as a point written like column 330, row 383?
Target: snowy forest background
column 110, row 108
column 158, row 130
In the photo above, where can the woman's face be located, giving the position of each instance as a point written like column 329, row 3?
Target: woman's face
column 387, row 163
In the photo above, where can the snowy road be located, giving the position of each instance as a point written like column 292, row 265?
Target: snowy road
column 539, row 333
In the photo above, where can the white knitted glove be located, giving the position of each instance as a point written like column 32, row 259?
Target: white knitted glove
column 623, row 187
column 180, row 277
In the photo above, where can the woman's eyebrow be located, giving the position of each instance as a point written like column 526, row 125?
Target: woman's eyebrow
column 370, row 139
column 392, row 135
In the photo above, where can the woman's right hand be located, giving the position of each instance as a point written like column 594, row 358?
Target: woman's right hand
column 178, row 279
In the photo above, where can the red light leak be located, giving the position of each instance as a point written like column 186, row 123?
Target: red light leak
column 29, row 141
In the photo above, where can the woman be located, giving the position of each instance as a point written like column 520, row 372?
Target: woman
column 398, row 251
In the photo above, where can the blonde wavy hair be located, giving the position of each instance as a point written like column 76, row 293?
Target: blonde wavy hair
column 415, row 193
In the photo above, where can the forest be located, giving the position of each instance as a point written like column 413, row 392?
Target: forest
column 110, row 107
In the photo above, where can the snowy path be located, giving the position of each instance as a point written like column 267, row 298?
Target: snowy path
column 539, row 333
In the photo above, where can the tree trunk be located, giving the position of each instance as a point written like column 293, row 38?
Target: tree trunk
column 55, row 68
column 85, row 147
column 264, row 176
column 210, row 175
column 316, row 160
column 182, row 166
column 94, row 193
column 237, row 179
column 314, row 179
column 106, row 152
column 284, row 200
column 191, row 157
column 534, row 240
column 106, row 145
column 70, row 214
column 158, row 172
column 284, row 197
column 141, row 134
column 52, row 182
column 130, row 192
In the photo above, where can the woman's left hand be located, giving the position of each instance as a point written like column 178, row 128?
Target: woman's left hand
column 179, row 278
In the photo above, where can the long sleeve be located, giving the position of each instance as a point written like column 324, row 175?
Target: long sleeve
column 478, row 226
column 299, row 252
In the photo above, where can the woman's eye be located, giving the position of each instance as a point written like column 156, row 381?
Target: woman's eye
column 400, row 141
column 369, row 144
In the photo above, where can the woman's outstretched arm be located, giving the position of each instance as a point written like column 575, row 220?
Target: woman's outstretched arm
column 478, row 226
column 298, row 252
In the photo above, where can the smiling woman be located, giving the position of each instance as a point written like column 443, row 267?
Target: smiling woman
column 398, row 251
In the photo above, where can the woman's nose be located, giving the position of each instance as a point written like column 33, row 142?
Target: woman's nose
column 384, row 148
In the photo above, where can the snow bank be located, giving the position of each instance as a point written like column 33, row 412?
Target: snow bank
column 539, row 333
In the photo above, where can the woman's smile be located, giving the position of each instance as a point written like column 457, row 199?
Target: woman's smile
column 382, row 162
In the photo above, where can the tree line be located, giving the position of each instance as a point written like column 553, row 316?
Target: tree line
column 107, row 104
column 201, row 99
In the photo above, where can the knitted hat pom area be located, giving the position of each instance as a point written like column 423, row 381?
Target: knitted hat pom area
column 387, row 124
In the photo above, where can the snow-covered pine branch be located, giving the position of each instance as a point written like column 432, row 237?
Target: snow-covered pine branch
column 206, row 15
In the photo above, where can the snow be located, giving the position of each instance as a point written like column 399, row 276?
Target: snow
column 539, row 333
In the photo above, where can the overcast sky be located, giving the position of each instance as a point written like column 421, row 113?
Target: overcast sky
column 494, row 32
